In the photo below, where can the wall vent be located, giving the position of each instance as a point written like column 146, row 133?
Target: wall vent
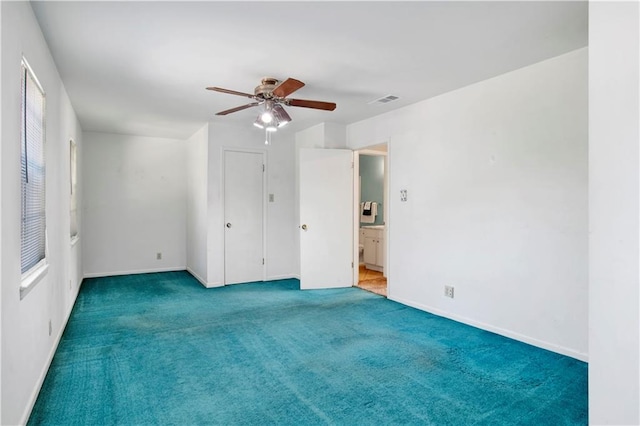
column 385, row 99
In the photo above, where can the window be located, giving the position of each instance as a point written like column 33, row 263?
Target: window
column 73, row 176
column 32, row 138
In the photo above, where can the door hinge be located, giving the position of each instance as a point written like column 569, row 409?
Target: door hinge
column 263, row 260
column 352, row 264
column 352, row 164
column 263, row 167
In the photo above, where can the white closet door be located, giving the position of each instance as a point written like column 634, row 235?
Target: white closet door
column 243, row 217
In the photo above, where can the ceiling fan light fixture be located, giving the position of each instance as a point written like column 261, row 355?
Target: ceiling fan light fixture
column 258, row 123
column 271, row 128
column 281, row 116
column 266, row 117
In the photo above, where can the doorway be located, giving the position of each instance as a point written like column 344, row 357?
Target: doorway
column 243, row 216
column 371, row 217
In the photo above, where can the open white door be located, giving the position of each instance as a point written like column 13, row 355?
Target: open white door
column 326, row 218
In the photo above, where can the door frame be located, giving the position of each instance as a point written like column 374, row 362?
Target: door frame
column 263, row 153
column 385, row 207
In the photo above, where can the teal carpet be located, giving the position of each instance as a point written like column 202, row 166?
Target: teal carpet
column 160, row 349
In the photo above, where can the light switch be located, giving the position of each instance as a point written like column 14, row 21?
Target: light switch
column 271, row 197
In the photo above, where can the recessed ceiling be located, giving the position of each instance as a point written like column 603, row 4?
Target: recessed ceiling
column 142, row 67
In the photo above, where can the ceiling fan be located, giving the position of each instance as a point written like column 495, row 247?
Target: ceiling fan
column 272, row 94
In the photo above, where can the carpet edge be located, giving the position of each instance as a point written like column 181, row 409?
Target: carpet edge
column 580, row 356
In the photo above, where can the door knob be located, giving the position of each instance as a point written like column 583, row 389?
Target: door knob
column 304, row 227
column 228, row 225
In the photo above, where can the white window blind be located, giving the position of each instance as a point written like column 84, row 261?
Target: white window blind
column 32, row 230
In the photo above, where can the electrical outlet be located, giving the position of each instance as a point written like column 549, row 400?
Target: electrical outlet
column 448, row 291
column 50, row 329
column 158, row 256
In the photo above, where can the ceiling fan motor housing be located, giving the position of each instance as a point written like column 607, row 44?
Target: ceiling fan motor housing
column 266, row 87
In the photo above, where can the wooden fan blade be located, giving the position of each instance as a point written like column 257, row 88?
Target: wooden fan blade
column 231, row 92
column 327, row 106
column 287, row 87
column 240, row 108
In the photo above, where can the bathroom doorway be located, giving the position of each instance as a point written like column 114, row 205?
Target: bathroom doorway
column 372, row 219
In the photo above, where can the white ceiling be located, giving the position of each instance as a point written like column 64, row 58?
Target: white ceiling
column 142, row 67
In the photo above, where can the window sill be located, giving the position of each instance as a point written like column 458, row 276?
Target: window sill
column 33, row 277
column 74, row 240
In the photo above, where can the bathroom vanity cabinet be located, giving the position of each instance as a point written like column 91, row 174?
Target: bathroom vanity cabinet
column 374, row 248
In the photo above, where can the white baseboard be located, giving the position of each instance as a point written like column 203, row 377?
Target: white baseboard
column 501, row 331
column 282, row 277
column 220, row 284
column 197, row 277
column 203, row 281
column 36, row 391
column 374, row 267
column 133, row 272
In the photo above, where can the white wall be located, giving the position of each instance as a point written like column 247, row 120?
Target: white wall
column 281, row 229
column 197, row 175
column 1, row 97
column 135, row 204
column 147, row 195
column 496, row 174
column 71, row 250
column 26, row 345
column 335, row 135
column 614, row 213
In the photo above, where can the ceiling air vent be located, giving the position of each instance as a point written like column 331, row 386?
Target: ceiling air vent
column 384, row 100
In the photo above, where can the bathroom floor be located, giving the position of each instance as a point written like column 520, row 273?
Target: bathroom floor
column 372, row 281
